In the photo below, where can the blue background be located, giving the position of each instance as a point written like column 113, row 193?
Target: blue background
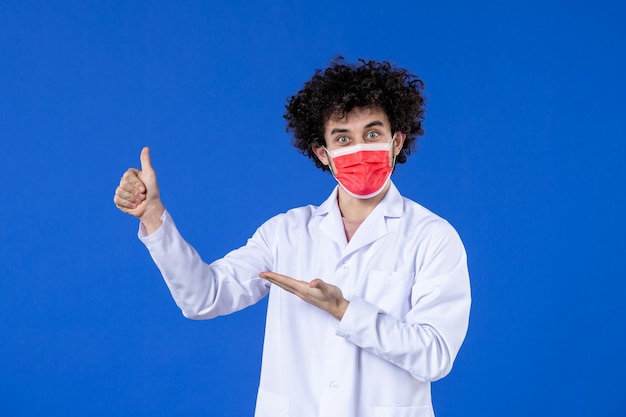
column 524, row 155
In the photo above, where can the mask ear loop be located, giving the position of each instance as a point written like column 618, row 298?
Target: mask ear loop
column 330, row 161
column 393, row 160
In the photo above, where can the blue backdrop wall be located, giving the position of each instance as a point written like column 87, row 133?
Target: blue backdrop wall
column 524, row 155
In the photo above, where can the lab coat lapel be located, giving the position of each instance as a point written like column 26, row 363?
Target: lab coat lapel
column 375, row 226
column 331, row 224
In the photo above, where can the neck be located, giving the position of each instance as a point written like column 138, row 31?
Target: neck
column 358, row 209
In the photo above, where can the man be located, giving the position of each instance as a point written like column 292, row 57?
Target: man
column 368, row 293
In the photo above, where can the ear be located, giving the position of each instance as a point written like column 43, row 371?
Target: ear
column 320, row 152
column 397, row 147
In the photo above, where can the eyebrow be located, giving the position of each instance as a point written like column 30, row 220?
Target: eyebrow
column 374, row 123
column 367, row 126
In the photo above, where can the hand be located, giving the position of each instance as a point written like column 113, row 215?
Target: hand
column 317, row 292
column 138, row 194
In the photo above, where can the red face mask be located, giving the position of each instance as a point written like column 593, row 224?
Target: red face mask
column 363, row 170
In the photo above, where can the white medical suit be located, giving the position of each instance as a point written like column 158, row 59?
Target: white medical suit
column 404, row 272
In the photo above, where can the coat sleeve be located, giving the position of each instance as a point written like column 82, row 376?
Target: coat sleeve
column 426, row 342
column 202, row 290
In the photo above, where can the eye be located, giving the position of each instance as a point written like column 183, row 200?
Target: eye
column 343, row 139
column 372, row 135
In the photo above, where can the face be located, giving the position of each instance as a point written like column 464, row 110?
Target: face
column 361, row 125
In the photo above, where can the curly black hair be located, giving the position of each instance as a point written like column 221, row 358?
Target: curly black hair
column 342, row 87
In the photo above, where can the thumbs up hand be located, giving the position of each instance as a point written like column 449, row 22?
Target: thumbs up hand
column 138, row 194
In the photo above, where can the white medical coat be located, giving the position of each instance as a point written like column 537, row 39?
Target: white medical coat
column 404, row 273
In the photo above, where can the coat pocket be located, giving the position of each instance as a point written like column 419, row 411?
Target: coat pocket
column 389, row 291
column 269, row 404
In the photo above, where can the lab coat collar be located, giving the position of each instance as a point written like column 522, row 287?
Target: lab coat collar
column 373, row 227
column 391, row 205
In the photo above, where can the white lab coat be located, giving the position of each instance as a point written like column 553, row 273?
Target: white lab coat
column 404, row 273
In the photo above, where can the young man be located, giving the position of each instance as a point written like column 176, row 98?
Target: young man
column 369, row 292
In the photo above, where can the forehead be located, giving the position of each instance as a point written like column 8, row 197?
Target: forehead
column 355, row 119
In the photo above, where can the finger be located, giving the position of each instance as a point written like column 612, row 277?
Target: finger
column 132, row 177
column 329, row 291
column 146, row 162
column 286, row 287
column 273, row 276
column 123, row 204
column 129, row 188
column 131, row 196
column 278, row 278
column 326, row 290
column 129, row 193
column 317, row 283
column 285, row 282
column 138, row 189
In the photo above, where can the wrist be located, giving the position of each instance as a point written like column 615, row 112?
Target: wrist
column 151, row 218
column 342, row 306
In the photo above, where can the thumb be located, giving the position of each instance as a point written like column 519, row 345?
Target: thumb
column 146, row 163
column 317, row 283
